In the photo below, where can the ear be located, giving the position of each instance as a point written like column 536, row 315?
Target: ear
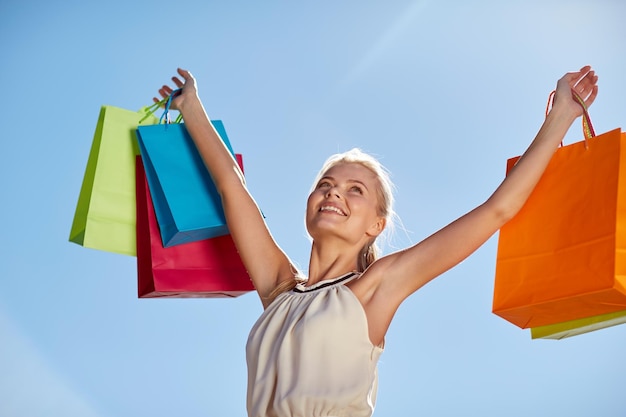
column 377, row 228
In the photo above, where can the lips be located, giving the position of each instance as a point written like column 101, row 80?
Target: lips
column 333, row 209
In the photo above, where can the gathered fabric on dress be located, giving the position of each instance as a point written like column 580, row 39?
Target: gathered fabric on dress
column 309, row 355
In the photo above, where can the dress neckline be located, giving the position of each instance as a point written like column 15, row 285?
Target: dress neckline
column 302, row 288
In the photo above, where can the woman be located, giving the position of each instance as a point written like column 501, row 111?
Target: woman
column 314, row 350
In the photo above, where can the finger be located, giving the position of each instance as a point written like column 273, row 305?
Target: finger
column 580, row 88
column 588, row 77
column 186, row 75
column 167, row 90
column 178, row 82
column 592, row 96
column 586, row 84
column 585, row 73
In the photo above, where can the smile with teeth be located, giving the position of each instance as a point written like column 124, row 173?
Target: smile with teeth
column 333, row 209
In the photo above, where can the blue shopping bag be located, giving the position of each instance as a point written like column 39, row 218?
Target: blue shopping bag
column 187, row 205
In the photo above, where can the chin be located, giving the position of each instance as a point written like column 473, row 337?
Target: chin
column 321, row 230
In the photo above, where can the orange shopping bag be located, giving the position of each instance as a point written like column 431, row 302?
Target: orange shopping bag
column 563, row 257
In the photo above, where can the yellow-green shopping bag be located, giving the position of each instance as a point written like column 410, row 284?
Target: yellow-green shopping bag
column 105, row 216
column 577, row 327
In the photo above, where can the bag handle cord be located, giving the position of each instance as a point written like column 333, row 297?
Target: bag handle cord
column 588, row 130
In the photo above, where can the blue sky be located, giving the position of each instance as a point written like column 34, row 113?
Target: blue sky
column 443, row 92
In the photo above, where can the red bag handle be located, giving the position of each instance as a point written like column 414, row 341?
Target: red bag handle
column 588, row 130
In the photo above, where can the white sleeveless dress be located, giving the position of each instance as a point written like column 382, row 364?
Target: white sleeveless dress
column 309, row 355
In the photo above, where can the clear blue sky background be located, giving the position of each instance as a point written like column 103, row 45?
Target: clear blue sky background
column 442, row 91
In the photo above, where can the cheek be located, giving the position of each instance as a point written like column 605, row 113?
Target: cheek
column 309, row 213
column 362, row 204
column 370, row 212
column 310, row 202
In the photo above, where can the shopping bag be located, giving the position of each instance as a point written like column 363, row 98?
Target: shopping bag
column 577, row 327
column 563, row 257
column 205, row 268
column 187, row 204
column 105, row 213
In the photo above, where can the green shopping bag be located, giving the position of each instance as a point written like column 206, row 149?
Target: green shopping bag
column 105, row 216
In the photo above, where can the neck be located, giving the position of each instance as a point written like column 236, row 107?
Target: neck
column 330, row 260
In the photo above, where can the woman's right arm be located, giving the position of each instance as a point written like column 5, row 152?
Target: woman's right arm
column 265, row 262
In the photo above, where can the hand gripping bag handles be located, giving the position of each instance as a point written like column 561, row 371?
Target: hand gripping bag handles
column 563, row 257
column 105, row 213
column 205, row 268
column 187, row 204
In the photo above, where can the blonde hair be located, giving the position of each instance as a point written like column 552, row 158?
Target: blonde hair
column 370, row 252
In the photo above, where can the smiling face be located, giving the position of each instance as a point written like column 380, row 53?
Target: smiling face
column 345, row 203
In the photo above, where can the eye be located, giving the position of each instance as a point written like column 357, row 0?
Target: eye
column 324, row 184
column 356, row 189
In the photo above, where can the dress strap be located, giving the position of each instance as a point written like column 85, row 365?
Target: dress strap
column 302, row 288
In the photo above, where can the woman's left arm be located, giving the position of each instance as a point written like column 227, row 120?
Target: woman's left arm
column 406, row 271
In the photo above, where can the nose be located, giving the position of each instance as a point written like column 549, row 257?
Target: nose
column 333, row 191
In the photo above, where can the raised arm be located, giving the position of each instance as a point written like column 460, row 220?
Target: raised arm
column 398, row 275
column 266, row 263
